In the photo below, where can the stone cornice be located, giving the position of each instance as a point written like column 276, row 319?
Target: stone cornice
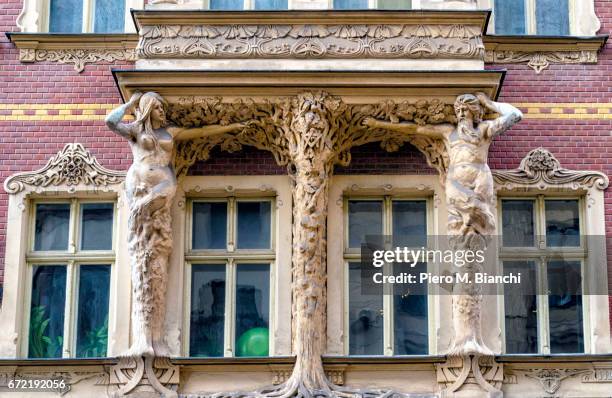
column 538, row 52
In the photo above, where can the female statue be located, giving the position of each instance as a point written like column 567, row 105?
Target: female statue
column 150, row 188
column 469, row 196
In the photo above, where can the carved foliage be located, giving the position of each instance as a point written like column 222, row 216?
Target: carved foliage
column 540, row 169
column 77, row 57
column 308, row 41
column 551, row 379
column 541, row 60
column 71, row 166
column 269, row 123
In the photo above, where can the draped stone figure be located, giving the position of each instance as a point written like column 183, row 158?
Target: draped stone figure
column 469, row 196
column 150, row 188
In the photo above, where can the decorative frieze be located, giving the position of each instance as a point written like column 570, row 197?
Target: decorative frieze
column 71, row 166
column 550, row 379
column 598, row 375
column 540, row 169
column 76, row 57
column 540, row 60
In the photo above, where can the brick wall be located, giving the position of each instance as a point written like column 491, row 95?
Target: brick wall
column 26, row 145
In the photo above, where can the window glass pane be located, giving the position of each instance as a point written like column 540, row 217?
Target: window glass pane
column 410, row 313
column 97, row 226
column 92, row 316
column 552, row 17
column 47, row 312
column 365, row 317
column 226, row 4
column 517, row 221
column 410, row 223
column 364, row 218
column 252, row 310
column 565, row 307
column 510, row 17
column 253, row 225
column 271, row 4
column 395, row 4
column 562, row 223
column 52, row 223
column 207, row 310
column 109, row 16
column 520, row 309
column 209, row 225
column 66, row 16
column 348, row 4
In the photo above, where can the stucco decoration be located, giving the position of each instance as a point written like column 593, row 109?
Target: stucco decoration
column 71, row 166
column 550, row 379
column 134, row 376
column 471, row 220
column 540, row 60
column 540, row 169
column 150, row 188
column 310, row 41
column 78, row 58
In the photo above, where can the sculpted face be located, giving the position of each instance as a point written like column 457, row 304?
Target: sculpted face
column 158, row 114
column 468, row 109
column 464, row 113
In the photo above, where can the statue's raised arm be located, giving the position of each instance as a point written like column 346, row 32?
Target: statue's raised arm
column 410, row 128
column 509, row 115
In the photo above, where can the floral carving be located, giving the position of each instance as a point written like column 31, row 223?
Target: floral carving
column 71, row 166
column 551, row 379
column 324, row 41
column 540, row 169
column 78, row 57
column 540, row 60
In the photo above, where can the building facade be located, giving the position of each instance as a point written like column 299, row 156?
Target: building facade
column 188, row 186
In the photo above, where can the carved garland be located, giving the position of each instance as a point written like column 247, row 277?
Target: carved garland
column 77, row 57
column 541, row 60
column 71, row 166
column 540, row 169
column 312, row 41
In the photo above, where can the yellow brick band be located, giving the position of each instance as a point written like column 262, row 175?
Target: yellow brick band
column 97, row 112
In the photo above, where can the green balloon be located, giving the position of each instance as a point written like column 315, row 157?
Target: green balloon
column 254, row 343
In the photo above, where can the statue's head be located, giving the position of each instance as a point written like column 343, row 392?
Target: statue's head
column 152, row 106
column 467, row 106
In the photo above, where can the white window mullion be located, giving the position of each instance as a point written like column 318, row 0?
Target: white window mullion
column 88, row 16
column 230, row 308
column 388, row 288
column 187, row 309
column 69, row 309
column 543, row 318
column 530, row 17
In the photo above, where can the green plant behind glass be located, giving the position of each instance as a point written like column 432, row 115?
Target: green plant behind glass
column 41, row 345
column 96, row 341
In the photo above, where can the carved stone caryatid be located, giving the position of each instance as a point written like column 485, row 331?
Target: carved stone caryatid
column 470, row 202
column 150, row 188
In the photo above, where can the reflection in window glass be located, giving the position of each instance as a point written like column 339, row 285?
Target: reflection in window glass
column 209, row 230
column 96, row 226
column 562, row 223
column 365, row 317
column 565, row 307
column 226, row 4
column 395, row 4
column 47, row 311
column 510, row 17
column 364, row 218
column 66, row 16
column 252, row 310
column 520, row 309
column 207, row 310
column 410, row 313
column 552, row 17
column 92, row 316
column 350, row 4
column 271, row 4
column 409, row 223
column 109, row 16
column 254, row 225
column 517, row 222
column 52, row 224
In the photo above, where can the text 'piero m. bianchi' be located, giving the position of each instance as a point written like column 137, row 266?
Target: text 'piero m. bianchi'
column 461, row 259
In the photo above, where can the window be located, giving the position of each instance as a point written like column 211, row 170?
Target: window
column 531, row 17
column 390, row 324
column 541, row 239
column 87, row 16
column 70, row 263
column 230, row 260
column 248, row 4
column 380, row 4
